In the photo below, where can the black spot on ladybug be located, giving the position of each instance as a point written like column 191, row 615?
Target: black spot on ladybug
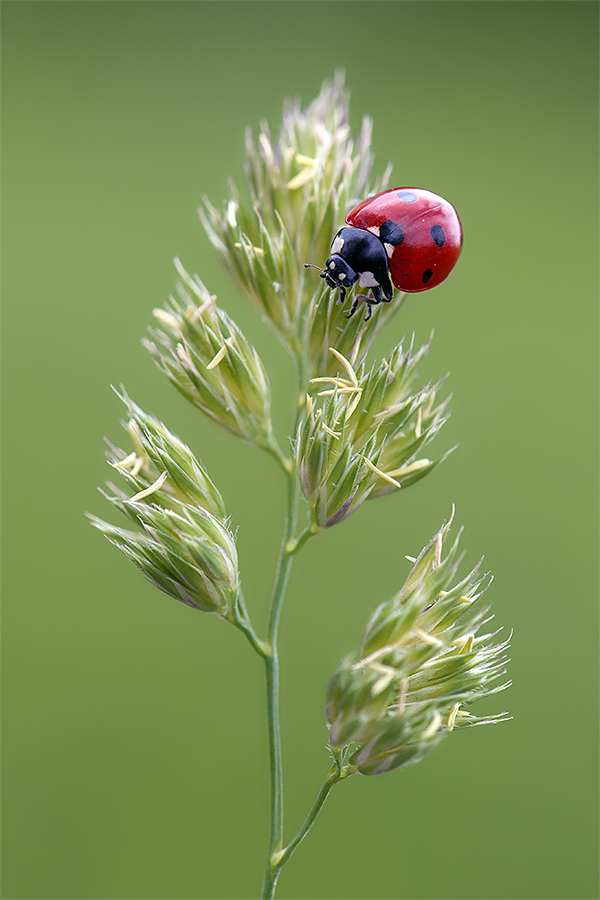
column 407, row 196
column 426, row 276
column 390, row 233
column 437, row 233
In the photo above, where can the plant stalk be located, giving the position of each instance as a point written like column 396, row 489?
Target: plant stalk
column 284, row 565
column 289, row 548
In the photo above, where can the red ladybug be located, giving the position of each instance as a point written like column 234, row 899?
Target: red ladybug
column 408, row 234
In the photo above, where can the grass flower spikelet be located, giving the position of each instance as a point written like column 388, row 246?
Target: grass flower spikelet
column 421, row 663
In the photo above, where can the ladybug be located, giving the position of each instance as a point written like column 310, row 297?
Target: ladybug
column 408, row 235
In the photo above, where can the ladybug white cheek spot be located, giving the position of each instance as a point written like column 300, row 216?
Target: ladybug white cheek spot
column 389, row 249
column 337, row 245
column 332, row 265
column 374, row 229
column 341, row 276
column 367, row 279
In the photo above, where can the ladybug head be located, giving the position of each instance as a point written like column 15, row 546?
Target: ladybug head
column 337, row 273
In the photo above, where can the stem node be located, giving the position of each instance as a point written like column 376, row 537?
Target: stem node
column 277, row 857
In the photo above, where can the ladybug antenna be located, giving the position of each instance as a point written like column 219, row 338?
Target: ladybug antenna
column 312, row 266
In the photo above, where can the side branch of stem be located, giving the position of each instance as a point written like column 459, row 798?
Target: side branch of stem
column 282, row 857
column 240, row 618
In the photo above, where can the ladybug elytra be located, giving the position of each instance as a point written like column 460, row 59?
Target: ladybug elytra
column 407, row 236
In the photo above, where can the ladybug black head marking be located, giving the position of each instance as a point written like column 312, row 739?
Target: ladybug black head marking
column 337, row 273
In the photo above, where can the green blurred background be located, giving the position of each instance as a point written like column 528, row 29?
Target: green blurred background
column 135, row 758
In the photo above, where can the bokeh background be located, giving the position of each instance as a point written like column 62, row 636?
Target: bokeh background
column 135, row 757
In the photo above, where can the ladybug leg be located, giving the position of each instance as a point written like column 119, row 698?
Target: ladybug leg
column 357, row 300
column 370, row 301
column 341, row 294
column 374, row 300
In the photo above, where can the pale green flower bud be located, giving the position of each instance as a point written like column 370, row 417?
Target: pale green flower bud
column 421, row 663
column 159, row 455
column 336, row 476
column 302, row 183
column 405, row 421
column 208, row 359
column 183, row 544
column 361, row 435
column 189, row 555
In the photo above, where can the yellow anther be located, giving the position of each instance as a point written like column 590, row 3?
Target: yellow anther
column 433, row 726
column 452, row 716
column 402, row 697
column 127, row 461
column 166, row 318
column 151, row 489
column 309, row 404
column 305, row 160
column 428, row 638
column 309, row 173
column 258, row 250
column 331, row 380
column 334, row 434
column 200, row 310
column 219, row 355
column 339, row 390
column 413, row 467
column 346, row 365
column 137, row 467
column 135, row 437
column 381, row 668
column 370, row 659
column 302, row 178
column 382, row 474
column 411, row 559
column 387, row 675
column 354, row 403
